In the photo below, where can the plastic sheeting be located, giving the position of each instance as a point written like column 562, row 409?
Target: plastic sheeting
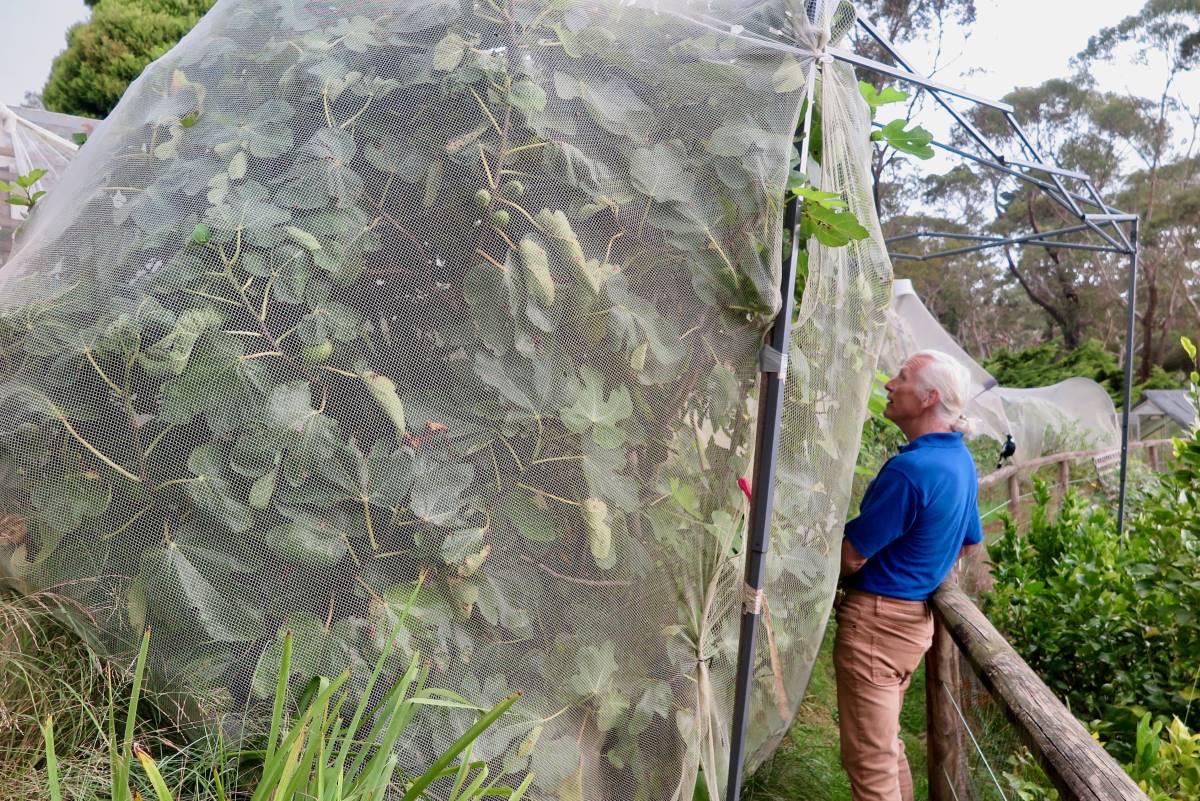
column 1071, row 415
column 344, row 303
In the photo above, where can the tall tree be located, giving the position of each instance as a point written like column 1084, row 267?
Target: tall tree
column 1167, row 30
column 108, row 51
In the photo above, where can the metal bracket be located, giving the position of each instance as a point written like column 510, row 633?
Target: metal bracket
column 771, row 360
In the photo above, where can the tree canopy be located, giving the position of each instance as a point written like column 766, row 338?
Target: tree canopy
column 108, row 51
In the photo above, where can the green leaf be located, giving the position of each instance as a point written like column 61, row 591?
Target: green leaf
column 915, row 142
column 537, row 270
column 612, row 103
column 172, row 353
column 438, row 491
column 62, row 503
column 237, row 166
column 790, row 77
column 262, row 490
column 592, row 409
column 201, row 234
column 829, row 200
column 527, row 96
column 212, row 493
column 448, row 53
column 1189, row 347
column 303, row 238
column 599, row 530
column 195, row 583
column 310, row 538
column 876, row 98
column 831, row 228
column 320, row 176
column 534, row 522
column 661, row 173
column 386, row 394
column 594, row 669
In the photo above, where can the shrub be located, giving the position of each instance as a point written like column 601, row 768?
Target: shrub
column 1049, row 363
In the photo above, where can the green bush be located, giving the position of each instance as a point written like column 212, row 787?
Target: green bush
column 1109, row 621
column 1049, row 363
column 1166, row 765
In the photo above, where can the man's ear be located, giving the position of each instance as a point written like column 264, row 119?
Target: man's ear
column 932, row 400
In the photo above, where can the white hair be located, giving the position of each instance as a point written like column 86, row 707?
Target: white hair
column 952, row 381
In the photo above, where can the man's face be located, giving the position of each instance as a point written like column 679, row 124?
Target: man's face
column 907, row 399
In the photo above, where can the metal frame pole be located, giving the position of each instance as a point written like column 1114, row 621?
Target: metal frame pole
column 1130, row 341
column 762, row 500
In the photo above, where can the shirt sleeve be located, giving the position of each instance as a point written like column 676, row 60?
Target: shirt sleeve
column 889, row 509
column 974, row 534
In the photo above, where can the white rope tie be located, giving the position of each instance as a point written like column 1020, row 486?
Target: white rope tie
column 752, row 600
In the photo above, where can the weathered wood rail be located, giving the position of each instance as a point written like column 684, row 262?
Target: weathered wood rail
column 1012, row 474
column 1077, row 765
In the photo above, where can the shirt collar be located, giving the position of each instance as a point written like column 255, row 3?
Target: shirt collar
column 940, row 439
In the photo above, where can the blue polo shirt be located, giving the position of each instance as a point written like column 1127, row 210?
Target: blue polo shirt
column 915, row 518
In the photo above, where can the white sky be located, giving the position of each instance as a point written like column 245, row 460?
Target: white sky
column 1014, row 43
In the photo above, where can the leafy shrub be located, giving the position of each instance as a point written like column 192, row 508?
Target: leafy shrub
column 1049, row 363
column 1166, row 765
column 1166, row 760
column 1108, row 621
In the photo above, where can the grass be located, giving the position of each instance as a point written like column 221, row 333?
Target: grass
column 72, row 727
column 807, row 766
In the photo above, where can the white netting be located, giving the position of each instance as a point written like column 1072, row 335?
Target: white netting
column 346, row 299
column 1071, row 415
column 24, row 147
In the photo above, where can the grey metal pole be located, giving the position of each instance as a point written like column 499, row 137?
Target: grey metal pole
column 1127, row 394
column 762, row 500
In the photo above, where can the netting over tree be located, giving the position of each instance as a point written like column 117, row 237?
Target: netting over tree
column 349, row 303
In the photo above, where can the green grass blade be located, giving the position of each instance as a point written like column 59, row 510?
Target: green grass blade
column 459, row 746
column 463, row 771
column 519, row 793
column 380, row 664
column 156, row 779
column 218, row 785
column 273, row 770
column 281, row 685
column 51, row 761
column 387, row 710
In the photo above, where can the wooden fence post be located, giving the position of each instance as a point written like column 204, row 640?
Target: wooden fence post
column 1152, row 451
column 1014, row 495
column 946, row 763
column 1064, row 477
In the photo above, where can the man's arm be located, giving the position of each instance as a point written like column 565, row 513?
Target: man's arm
column 852, row 560
column 888, row 510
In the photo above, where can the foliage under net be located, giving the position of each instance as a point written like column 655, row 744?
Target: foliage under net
column 351, row 304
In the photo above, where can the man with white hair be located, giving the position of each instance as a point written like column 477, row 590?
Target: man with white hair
column 916, row 518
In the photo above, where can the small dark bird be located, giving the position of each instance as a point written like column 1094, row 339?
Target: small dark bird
column 1007, row 451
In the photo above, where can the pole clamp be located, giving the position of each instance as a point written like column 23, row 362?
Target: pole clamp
column 771, row 360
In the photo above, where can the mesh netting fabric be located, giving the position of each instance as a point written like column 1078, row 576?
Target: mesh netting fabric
column 27, row 146
column 1071, row 415
column 349, row 303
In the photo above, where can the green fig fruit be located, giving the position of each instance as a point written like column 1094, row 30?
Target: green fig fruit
column 317, row 354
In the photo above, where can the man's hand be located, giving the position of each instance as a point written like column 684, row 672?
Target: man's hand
column 852, row 560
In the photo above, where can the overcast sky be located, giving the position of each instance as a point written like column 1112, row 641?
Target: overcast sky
column 1014, row 43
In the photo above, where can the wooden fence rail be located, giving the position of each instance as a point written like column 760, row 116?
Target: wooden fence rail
column 1077, row 765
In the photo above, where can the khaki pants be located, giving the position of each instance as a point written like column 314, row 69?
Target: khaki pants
column 880, row 642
